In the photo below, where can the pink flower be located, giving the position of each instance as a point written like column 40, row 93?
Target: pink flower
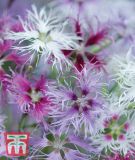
column 30, row 96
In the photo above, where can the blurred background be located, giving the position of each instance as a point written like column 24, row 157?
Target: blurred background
column 16, row 7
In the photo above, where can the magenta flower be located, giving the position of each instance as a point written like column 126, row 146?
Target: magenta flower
column 83, row 54
column 117, row 156
column 30, row 96
column 8, row 57
column 6, row 53
column 80, row 105
column 7, row 24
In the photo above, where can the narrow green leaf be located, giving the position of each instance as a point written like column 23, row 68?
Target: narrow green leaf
column 50, row 137
column 48, row 149
column 122, row 120
column 107, row 130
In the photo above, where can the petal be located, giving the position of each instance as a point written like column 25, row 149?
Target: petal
column 6, row 45
column 66, row 52
column 16, row 58
column 78, row 28
column 21, row 83
column 79, row 62
column 40, row 85
column 2, row 74
column 96, row 38
column 93, row 59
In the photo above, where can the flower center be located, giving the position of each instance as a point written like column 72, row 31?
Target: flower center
column 82, row 102
column 81, row 50
column 116, row 128
column 44, row 37
column 58, row 144
column 35, row 96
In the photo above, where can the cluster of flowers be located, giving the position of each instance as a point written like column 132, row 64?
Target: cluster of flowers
column 68, row 76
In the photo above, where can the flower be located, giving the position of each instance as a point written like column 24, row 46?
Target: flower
column 90, row 38
column 45, row 35
column 118, row 135
column 6, row 53
column 123, row 72
column 123, row 68
column 8, row 57
column 31, row 97
column 80, row 104
column 7, row 24
column 117, row 156
column 58, row 147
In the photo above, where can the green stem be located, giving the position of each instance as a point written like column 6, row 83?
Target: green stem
column 22, row 122
column 30, row 126
column 34, row 63
column 36, row 60
column 106, row 43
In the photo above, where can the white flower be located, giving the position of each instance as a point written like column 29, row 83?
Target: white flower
column 118, row 131
column 118, row 135
column 45, row 34
column 116, row 146
column 123, row 68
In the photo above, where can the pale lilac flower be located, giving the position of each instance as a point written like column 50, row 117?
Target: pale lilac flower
column 30, row 96
column 80, row 104
column 45, row 34
column 58, row 147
